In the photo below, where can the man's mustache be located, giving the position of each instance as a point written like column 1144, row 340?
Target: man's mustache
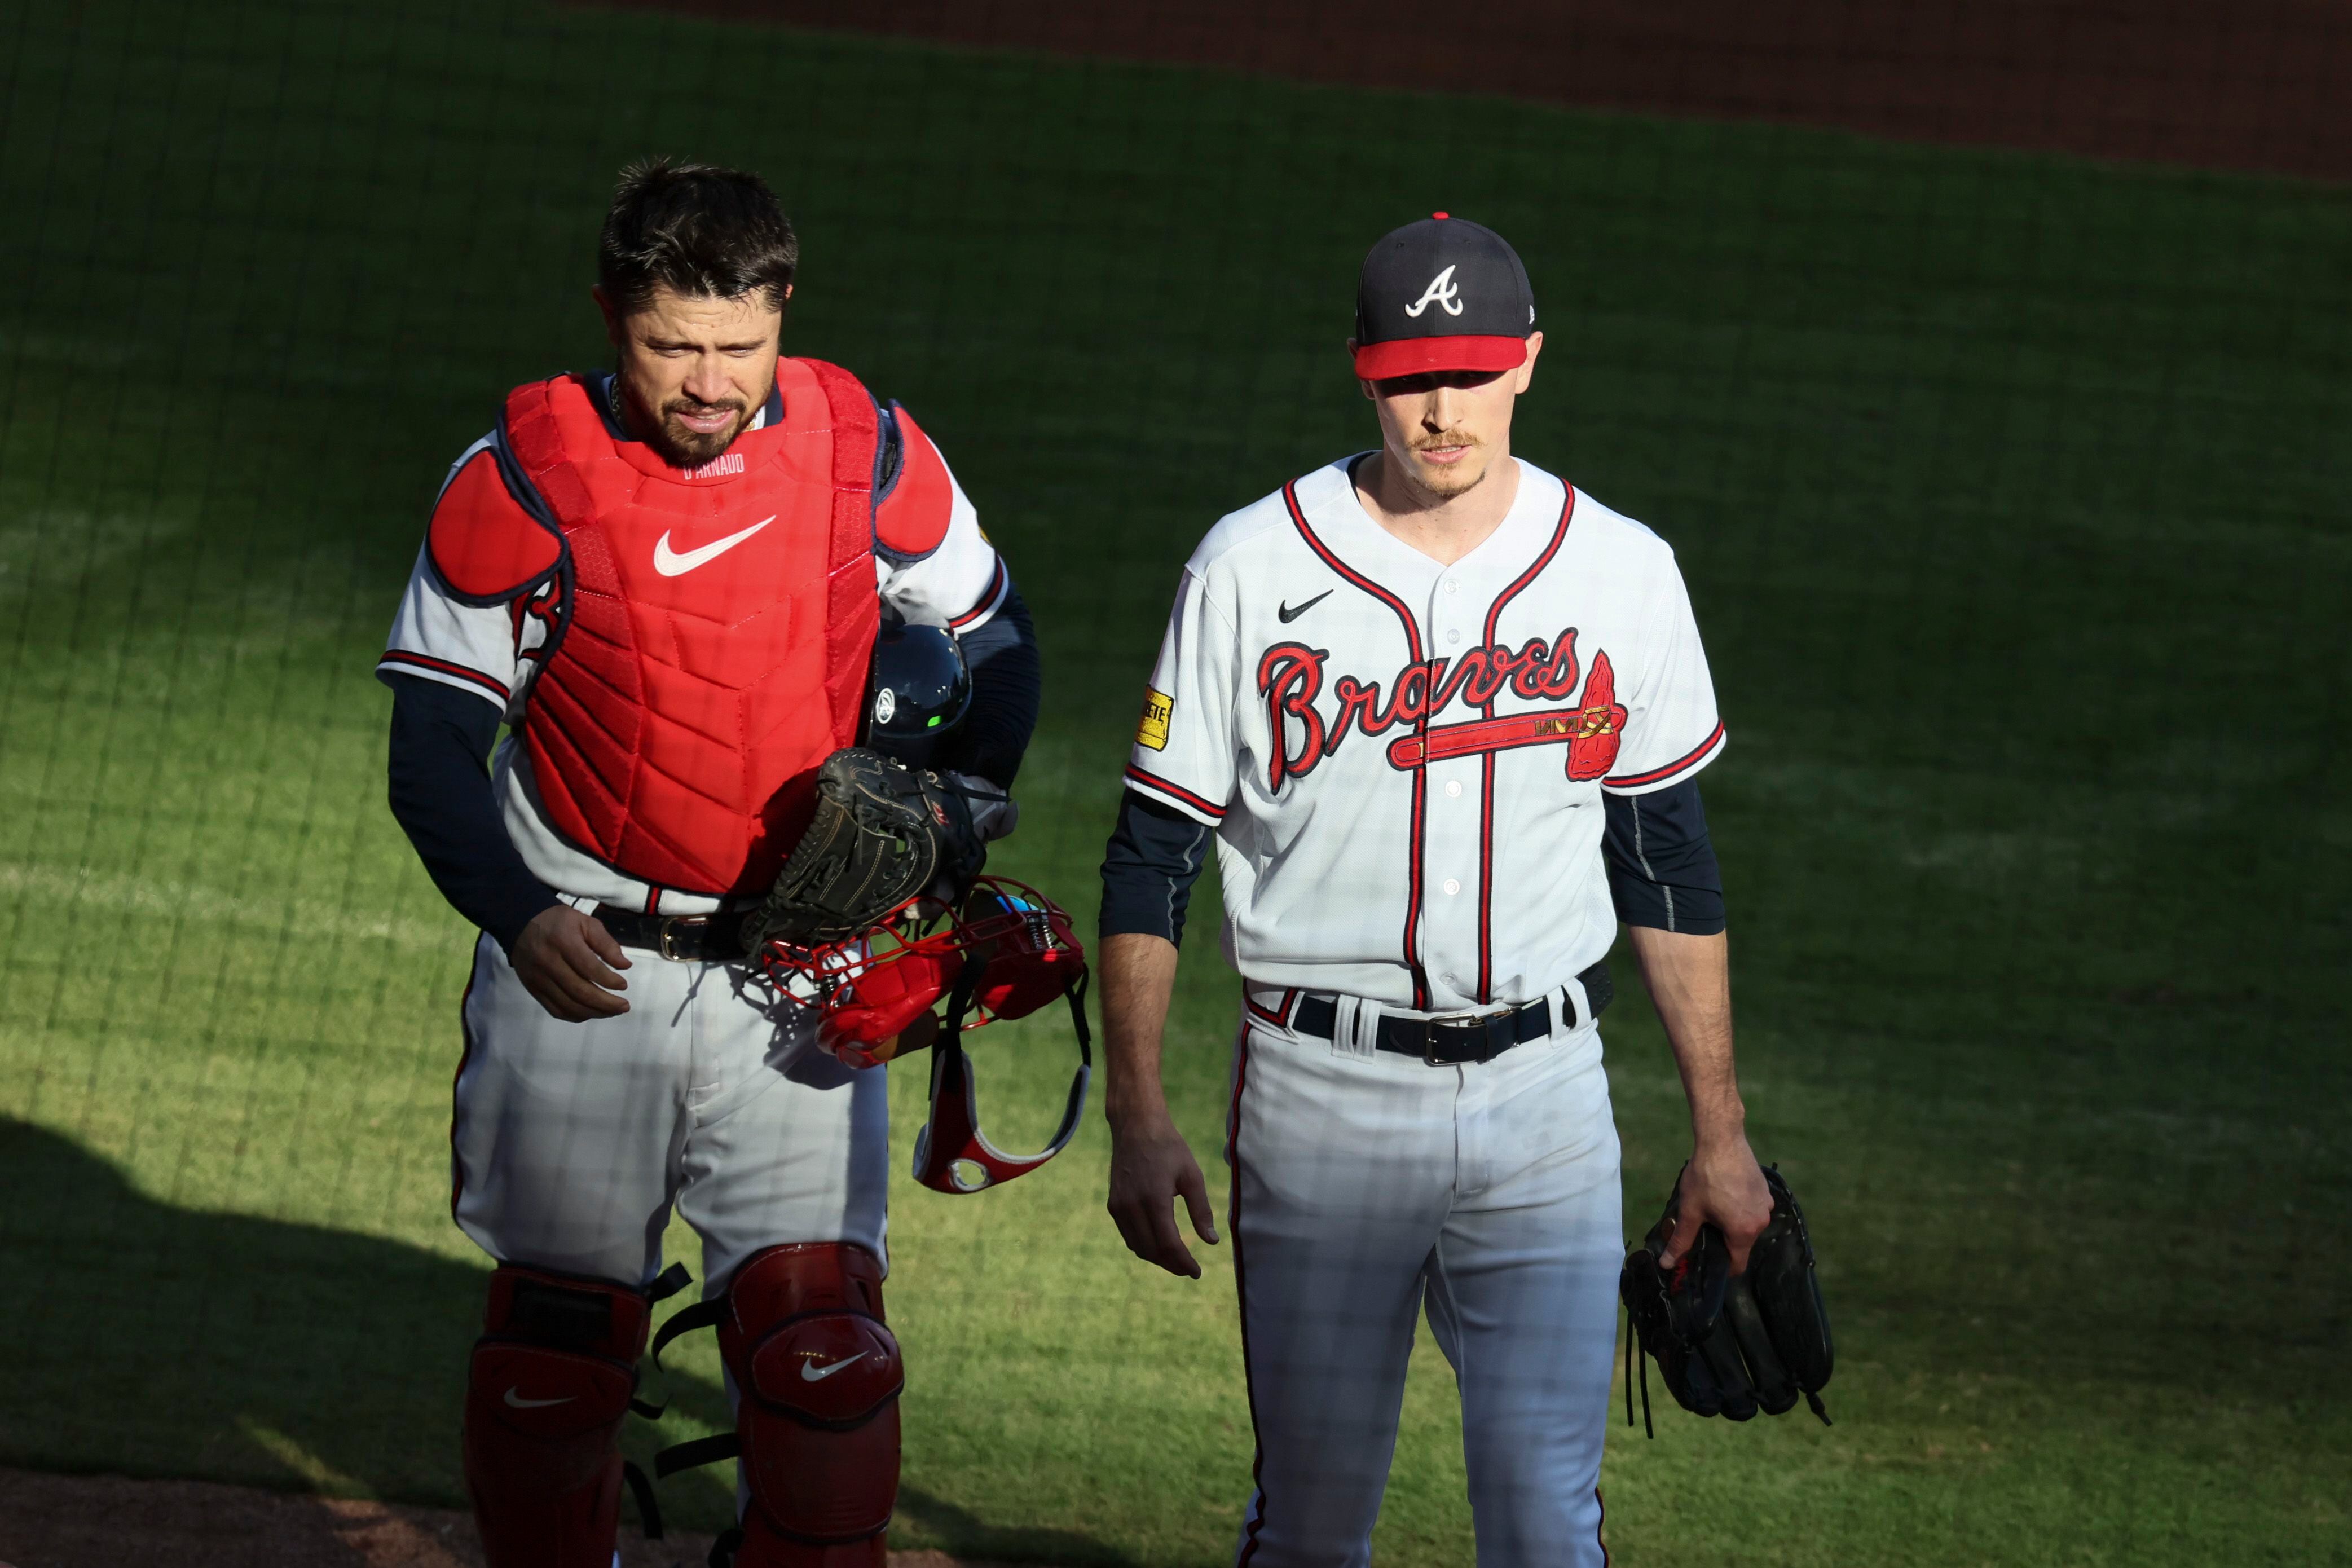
column 689, row 405
column 1445, row 438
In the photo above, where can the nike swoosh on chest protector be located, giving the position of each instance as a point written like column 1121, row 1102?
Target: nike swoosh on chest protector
column 677, row 564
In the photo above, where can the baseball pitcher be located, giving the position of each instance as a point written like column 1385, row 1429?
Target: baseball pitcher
column 1441, row 716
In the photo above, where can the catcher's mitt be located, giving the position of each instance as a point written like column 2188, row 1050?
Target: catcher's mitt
column 1726, row 1346
column 882, row 832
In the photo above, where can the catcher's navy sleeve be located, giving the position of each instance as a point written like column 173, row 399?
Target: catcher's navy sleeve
column 440, row 792
column 1007, row 678
column 1149, row 867
column 1662, row 868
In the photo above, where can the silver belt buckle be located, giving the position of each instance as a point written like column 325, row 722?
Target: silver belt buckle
column 669, row 928
column 1452, row 1020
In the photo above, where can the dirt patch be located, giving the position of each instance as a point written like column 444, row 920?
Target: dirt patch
column 105, row 1522
column 2242, row 84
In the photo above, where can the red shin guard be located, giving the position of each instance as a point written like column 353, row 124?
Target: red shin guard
column 819, row 1378
column 550, row 1382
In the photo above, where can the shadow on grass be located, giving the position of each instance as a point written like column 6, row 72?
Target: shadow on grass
column 164, row 1341
column 974, row 1534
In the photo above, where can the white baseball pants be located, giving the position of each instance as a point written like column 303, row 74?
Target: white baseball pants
column 571, row 1142
column 1367, row 1184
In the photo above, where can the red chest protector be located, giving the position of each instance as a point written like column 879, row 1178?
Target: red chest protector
column 713, row 627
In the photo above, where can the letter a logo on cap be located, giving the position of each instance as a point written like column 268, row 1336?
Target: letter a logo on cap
column 1442, row 289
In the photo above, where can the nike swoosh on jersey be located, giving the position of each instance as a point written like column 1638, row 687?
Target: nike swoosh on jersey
column 812, row 1372
column 674, row 563
column 536, row 1404
column 1289, row 615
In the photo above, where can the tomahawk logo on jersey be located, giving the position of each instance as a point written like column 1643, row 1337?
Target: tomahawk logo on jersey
column 1316, row 668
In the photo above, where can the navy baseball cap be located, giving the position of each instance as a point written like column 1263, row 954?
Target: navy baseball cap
column 1442, row 294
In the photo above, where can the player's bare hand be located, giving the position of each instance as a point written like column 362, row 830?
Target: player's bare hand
column 567, row 960
column 1150, row 1168
column 1723, row 1186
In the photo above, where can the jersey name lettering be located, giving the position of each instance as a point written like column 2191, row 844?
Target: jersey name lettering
column 1290, row 679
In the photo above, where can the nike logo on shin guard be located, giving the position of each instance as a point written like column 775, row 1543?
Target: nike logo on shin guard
column 812, row 1372
column 536, row 1404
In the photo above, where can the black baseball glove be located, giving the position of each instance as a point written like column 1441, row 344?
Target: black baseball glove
column 883, row 833
column 1728, row 1346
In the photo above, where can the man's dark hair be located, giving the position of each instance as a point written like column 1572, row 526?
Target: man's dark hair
column 698, row 229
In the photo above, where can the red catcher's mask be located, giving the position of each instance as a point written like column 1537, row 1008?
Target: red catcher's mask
column 1009, row 952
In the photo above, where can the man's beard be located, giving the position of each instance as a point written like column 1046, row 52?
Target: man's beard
column 679, row 446
column 688, row 448
column 1457, row 478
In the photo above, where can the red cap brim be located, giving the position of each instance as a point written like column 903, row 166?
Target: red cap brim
column 1420, row 356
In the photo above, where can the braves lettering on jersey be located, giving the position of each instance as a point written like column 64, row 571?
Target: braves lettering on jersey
column 1404, row 760
column 679, row 649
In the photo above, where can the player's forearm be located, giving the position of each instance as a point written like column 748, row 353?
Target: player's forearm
column 443, row 801
column 1139, row 976
column 1689, row 978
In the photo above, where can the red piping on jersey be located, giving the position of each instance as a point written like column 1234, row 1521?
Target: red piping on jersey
column 1714, row 738
column 1280, row 1016
column 1154, row 782
column 1486, row 764
column 1420, row 775
column 1240, row 1292
column 422, row 661
column 987, row 599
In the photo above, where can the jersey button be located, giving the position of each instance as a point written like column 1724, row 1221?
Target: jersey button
column 1453, row 586
column 1452, row 884
column 1453, row 635
column 1453, row 788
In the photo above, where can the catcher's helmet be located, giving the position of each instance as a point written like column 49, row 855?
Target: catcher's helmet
column 917, row 693
column 1006, row 953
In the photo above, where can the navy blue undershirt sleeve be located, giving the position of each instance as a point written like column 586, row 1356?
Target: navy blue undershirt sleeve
column 1153, row 858
column 1662, row 868
column 1007, row 680
column 440, row 791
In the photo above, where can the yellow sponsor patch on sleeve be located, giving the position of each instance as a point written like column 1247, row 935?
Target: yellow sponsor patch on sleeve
column 1153, row 732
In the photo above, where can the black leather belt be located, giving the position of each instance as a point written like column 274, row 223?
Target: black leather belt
column 685, row 938
column 1448, row 1042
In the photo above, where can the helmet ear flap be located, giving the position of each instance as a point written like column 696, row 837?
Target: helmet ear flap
column 887, row 997
column 1029, row 952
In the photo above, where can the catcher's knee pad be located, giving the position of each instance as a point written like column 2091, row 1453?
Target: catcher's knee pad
column 552, row 1379
column 818, row 1378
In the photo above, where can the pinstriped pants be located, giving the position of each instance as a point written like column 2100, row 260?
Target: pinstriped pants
column 570, row 1142
column 1368, row 1185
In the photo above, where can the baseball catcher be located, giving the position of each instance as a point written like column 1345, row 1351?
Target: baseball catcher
column 1727, row 1344
column 767, row 684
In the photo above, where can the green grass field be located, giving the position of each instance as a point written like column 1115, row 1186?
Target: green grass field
column 2012, row 494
